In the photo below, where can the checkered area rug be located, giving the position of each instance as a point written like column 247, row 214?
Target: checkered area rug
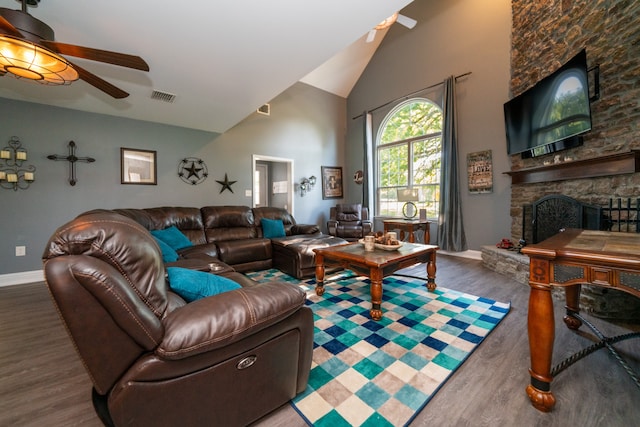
column 381, row 373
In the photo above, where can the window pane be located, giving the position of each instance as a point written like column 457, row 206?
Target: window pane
column 429, row 197
column 426, row 161
column 412, row 120
column 393, row 166
column 387, row 199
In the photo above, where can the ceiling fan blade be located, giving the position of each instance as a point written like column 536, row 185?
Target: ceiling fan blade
column 406, row 21
column 115, row 58
column 371, row 36
column 99, row 83
column 7, row 28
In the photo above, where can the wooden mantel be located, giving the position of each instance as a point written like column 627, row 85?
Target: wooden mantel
column 616, row 164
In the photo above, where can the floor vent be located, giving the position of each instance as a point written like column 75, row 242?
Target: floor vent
column 163, row 96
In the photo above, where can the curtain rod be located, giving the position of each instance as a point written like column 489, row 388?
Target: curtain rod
column 409, row 95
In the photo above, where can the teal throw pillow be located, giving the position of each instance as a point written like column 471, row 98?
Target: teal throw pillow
column 168, row 254
column 272, row 228
column 173, row 237
column 192, row 285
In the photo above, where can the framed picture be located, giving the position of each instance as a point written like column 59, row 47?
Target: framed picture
column 331, row 182
column 480, row 172
column 137, row 166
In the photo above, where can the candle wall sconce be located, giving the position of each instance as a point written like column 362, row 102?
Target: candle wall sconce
column 306, row 184
column 12, row 173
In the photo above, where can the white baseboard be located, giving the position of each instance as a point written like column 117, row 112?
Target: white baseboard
column 465, row 254
column 21, row 278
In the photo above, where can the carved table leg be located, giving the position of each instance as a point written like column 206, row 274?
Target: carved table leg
column 572, row 297
column 431, row 272
column 412, row 238
column 541, row 335
column 319, row 274
column 376, row 293
column 427, row 236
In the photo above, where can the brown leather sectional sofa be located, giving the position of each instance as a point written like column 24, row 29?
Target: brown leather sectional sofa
column 233, row 235
column 155, row 360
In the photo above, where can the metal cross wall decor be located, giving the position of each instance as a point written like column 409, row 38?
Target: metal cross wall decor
column 72, row 159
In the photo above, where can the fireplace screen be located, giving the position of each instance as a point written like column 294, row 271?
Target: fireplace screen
column 551, row 214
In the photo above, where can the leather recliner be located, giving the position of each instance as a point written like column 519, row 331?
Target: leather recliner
column 349, row 221
column 155, row 360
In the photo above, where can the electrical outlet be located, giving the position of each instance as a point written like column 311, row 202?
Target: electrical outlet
column 21, row 250
column 247, row 193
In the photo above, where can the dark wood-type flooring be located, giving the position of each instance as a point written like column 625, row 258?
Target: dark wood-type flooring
column 43, row 382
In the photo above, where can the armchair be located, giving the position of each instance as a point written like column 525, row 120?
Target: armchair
column 155, row 360
column 349, row 221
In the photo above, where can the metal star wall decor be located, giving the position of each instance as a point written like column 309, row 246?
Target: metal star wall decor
column 72, row 159
column 226, row 184
column 192, row 170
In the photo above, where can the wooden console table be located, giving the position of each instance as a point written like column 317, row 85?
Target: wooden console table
column 569, row 259
column 410, row 226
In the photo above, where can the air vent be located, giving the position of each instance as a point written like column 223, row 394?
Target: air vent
column 163, row 96
column 265, row 109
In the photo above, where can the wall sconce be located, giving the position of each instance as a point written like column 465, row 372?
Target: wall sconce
column 12, row 174
column 307, row 184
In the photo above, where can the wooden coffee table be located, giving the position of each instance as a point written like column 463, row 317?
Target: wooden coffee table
column 376, row 265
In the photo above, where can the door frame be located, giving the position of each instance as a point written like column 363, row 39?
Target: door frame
column 288, row 162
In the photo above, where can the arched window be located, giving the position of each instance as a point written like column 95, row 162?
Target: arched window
column 408, row 157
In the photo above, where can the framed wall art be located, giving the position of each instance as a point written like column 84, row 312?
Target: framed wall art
column 331, row 182
column 480, row 172
column 137, row 166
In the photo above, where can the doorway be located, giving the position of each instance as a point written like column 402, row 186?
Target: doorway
column 272, row 182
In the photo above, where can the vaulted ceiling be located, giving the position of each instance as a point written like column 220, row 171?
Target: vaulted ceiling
column 221, row 59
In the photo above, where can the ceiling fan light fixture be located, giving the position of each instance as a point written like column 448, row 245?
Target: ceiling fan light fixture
column 387, row 22
column 24, row 59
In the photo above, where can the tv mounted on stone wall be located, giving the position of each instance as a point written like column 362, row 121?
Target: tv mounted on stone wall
column 553, row 114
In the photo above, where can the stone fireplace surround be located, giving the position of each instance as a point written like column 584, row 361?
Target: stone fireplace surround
column 543, row 36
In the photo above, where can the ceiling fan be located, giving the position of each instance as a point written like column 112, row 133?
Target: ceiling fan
column 28, row 50
column 396, row 17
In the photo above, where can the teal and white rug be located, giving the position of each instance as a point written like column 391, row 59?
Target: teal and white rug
column 368, row 373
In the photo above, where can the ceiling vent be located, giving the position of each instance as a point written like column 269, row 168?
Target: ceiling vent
column 163, row 96
column 265, row 109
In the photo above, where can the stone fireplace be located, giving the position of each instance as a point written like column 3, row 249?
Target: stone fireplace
column 544, row 36
column 551, row 214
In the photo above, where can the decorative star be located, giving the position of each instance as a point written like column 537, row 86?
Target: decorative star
column 226, row 184
column 193, row 170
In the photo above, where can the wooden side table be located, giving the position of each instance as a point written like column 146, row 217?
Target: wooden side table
column 570, row 259
column 410, row 226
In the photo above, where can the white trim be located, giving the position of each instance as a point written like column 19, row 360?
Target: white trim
column 465, row 254
column 21, row 278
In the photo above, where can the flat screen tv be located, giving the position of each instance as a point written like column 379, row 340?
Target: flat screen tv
column 553, row 114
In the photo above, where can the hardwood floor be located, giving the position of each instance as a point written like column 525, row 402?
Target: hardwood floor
column 43, row 382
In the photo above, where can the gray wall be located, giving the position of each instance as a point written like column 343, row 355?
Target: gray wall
column 306, row 125
column 451, row 38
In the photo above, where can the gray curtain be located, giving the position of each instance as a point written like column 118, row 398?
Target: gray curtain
column 367, row 171
column 451, row 235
